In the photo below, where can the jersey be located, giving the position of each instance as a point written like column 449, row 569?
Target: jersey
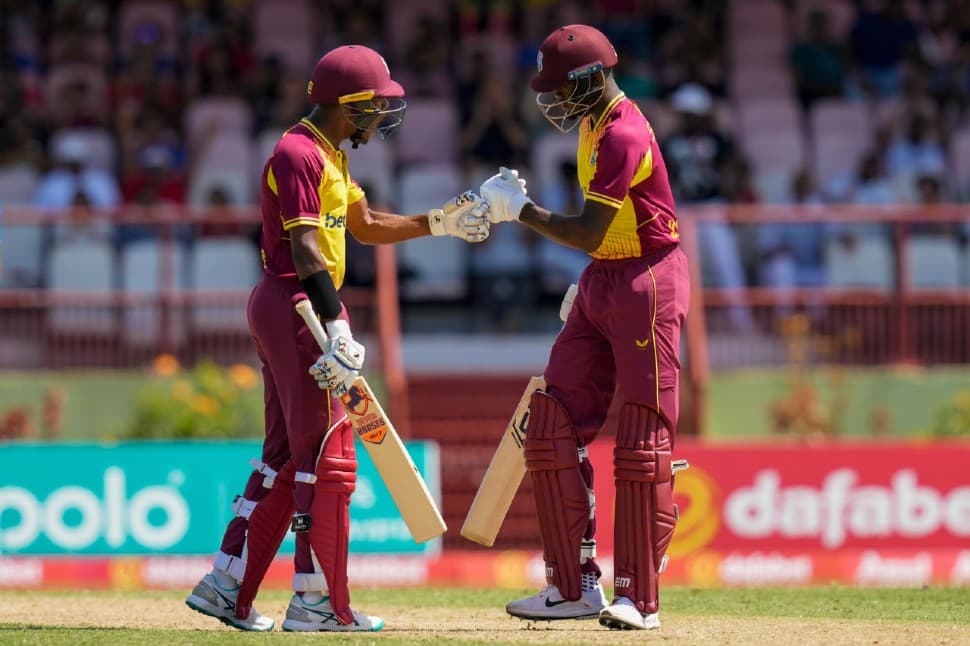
column 306, row 182
column 619, row 164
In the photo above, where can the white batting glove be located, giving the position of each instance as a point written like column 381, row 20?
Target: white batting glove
column 340, row 365
column 464, row 217
column 506, row 195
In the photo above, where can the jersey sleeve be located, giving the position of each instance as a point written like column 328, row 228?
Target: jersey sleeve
column 620, row 156
column 294, row 175
column 354, row 192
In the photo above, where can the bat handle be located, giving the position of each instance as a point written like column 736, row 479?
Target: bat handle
column 305, row 309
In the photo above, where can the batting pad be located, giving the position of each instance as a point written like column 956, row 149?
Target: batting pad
column 267, row 527
column 645, row 513
column 562, row 501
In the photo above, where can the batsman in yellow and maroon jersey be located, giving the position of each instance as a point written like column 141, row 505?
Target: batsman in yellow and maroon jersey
column 622, row 332
column 307, row 471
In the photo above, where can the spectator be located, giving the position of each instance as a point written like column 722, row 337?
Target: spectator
column 917, row 153
column 157, row 179
column 929, row 191
column 818, row 62
column 426, row 60
column 493, row 134
column 697, row 155
column 75, row 107
column 881, row 40
column 792, row 255
column 71, row 175
column 264, row 90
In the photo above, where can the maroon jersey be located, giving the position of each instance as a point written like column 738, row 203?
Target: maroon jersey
column 619, row 164
column 306, row 182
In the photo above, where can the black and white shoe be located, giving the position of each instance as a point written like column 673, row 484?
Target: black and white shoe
column 549, row 604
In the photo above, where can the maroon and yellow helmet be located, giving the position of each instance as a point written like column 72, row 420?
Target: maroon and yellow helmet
column 357, row 79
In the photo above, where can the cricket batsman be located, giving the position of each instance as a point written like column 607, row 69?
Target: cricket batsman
column 623, row 330
column 307, row 471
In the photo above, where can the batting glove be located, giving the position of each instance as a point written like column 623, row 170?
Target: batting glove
column 506, row 195
column 340, row 365
column 465, row 217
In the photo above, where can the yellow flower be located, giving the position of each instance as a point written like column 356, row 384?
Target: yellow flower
column 243, row 376
column 181, row 389
column 205, row 405
column 165, row 365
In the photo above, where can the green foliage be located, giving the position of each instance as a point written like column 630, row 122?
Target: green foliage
column 208, row 402
column 953, row 420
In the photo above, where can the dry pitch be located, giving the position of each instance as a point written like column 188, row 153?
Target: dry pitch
column 817, row 616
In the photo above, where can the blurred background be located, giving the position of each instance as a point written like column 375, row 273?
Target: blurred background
column 819, row 151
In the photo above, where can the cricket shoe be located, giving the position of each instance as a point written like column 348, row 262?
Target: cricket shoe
column 549, row 605
column 623, row 614
column 320, row 617
column 213, row 600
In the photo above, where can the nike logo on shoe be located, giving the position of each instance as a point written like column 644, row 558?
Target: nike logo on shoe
column 552, row 604
column 230, row 604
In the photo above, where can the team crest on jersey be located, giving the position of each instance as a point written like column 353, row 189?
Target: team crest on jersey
column 539, row 61
column 592, row 157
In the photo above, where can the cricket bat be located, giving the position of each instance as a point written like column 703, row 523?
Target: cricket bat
column 502, row 479
column 410, row 493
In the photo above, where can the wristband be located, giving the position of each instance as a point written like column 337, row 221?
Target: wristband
column 323, row 296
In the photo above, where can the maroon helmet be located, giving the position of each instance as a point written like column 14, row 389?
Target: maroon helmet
column 357, row 79
column 571, row 78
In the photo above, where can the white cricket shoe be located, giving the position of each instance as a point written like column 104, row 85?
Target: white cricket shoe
column 623, row 614
column 213, row 600
column 548, row 604
column 309, row 617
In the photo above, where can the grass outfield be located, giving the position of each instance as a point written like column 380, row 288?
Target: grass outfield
column 823, row 615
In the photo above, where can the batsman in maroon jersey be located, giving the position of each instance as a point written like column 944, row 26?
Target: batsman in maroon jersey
column 623, row 331
column 307, row 471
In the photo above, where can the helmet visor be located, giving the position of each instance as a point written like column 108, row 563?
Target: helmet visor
column 378, row 114
column 566, row 106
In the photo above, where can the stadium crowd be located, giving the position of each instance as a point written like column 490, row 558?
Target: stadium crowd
column 160, row 103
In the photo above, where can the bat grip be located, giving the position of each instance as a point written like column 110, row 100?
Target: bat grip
column 305, row 309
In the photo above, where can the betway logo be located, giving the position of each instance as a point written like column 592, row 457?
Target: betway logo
column 114, row 516
column 842, row 509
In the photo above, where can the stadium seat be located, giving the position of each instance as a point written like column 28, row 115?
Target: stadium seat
column 960, row 160
column 17, row 184
column 769, row 81
column 223, row 113
column 100, row 144
column 141, row 274
column 372, row 166
column 768, row 114
column 226, row 163
column 429, row 134
column 285, row 30
column 866, row 264
column 780, row 151
column 79, row 266
column 226, row 263
column 840, row 116
column 934, row 262
column 265, row 143
column 436, row 268
column 135, row 15
column 21, row 247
